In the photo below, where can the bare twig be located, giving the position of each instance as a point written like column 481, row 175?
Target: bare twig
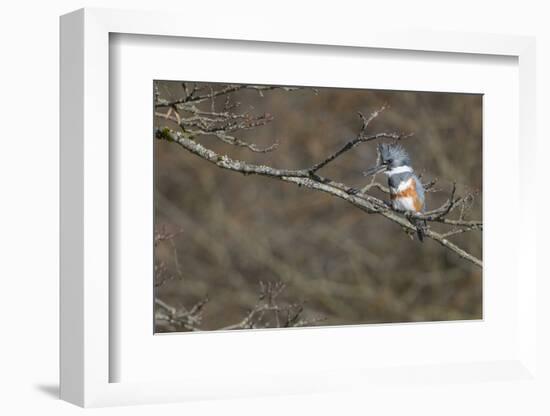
column 181, row 318
column 192, row 98
column 267, row 303
column 268, row 312
column 361, row 138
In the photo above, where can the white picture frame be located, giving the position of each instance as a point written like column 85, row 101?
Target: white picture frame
column 86, row 348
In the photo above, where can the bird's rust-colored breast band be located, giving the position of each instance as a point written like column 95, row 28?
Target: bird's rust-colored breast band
column 409, row 192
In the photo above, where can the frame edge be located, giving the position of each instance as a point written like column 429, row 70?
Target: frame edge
column 71, row 202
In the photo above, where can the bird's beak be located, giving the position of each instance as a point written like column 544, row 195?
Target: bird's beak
column 375, row 170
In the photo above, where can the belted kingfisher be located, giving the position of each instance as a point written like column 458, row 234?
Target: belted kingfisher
column 406, row 191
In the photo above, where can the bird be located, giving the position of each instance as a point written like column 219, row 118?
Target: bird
column 407, row 193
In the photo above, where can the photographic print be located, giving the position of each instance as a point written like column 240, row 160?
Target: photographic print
column 287, row 206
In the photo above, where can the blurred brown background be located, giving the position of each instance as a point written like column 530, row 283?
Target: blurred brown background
column 345, row 265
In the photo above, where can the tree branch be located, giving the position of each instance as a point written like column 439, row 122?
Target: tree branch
column 268, row 312
column 309, row 179
column 192, row 98
column 361, row 138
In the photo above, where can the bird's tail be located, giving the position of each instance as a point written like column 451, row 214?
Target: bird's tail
column 421, row 226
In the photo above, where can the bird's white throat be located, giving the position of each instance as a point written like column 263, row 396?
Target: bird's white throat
column 399, row 169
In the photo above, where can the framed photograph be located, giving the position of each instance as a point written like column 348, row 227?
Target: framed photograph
column 298, row 258
column 279, row 213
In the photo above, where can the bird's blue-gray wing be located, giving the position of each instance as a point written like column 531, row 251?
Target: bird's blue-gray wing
column 420, row 192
